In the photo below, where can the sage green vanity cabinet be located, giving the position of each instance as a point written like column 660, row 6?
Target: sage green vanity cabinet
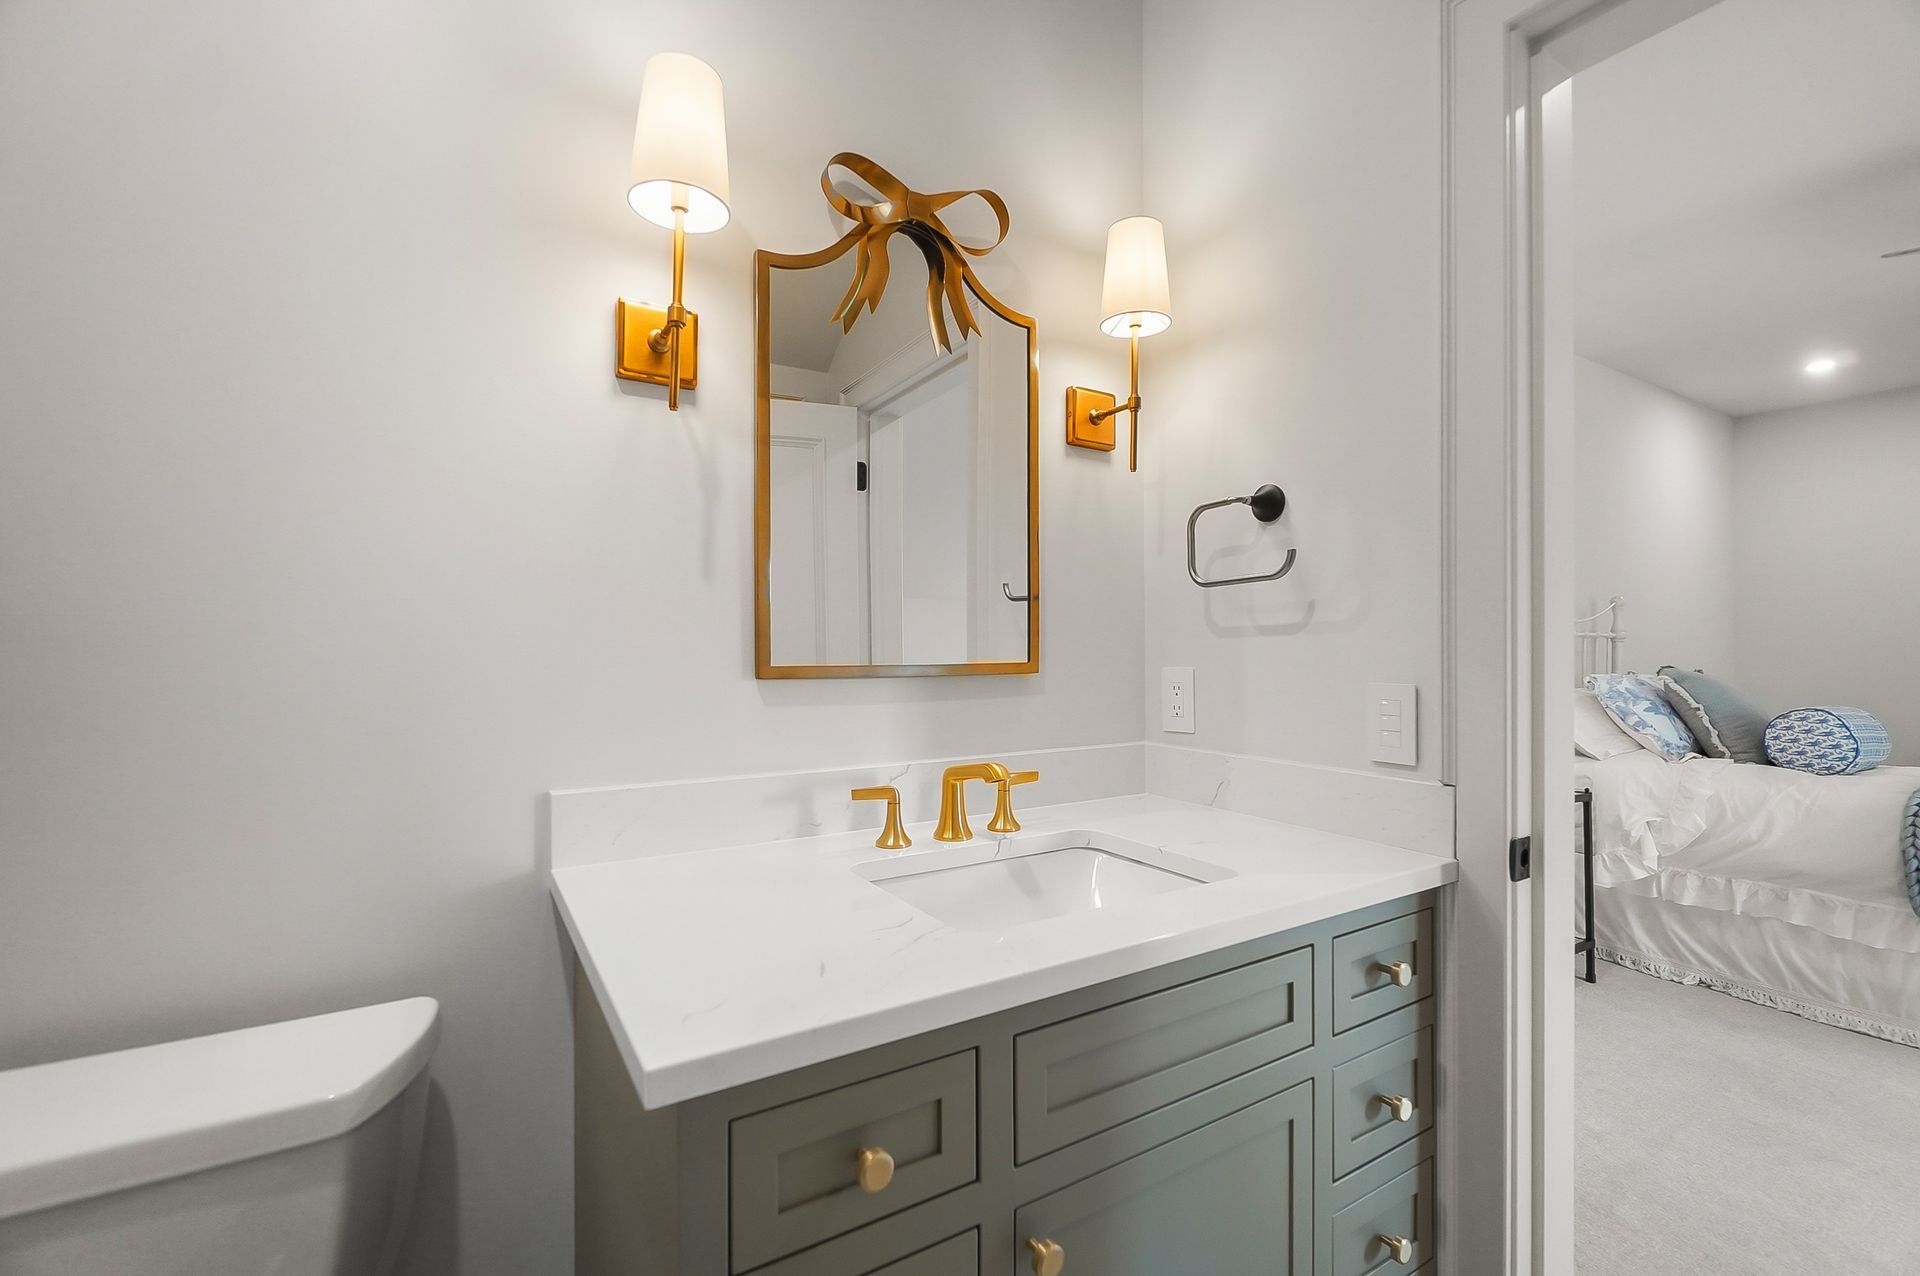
column 1265, row 1110
column 1233, row 1196
column 1094, row 1071
column 959, row 1256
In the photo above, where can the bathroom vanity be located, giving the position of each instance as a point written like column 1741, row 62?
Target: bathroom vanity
column 1140, row 1037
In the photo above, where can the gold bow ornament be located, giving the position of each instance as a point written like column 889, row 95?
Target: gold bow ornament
column 918, row 217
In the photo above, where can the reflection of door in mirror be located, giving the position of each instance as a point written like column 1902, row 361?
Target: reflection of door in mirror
column 898, row 481
column 819, row 604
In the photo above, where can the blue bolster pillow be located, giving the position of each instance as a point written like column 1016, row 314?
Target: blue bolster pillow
column 1834, row 740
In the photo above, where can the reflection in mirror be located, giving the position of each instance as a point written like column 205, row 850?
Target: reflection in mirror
column 898, row 479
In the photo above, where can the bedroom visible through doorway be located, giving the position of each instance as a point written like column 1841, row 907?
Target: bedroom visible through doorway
column 1731, row 219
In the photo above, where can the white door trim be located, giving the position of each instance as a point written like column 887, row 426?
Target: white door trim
column 1508, row 660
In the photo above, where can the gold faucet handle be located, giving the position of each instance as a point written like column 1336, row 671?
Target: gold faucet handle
column 894, row 836
column 1004, row 820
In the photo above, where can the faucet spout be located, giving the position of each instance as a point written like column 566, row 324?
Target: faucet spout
column 953, row 826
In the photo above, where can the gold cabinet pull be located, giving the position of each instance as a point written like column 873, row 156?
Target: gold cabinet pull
column 1398, row 1104
column 873, row 1169
column 1399, row 1248
column 1400, row 972
column 1048, row 1258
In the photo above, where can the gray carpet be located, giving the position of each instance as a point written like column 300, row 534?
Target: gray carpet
column 1718, row 1136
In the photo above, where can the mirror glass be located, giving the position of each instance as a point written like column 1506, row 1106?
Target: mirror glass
column 897, row 519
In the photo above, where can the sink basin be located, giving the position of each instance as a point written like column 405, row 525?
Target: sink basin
column 995, row 885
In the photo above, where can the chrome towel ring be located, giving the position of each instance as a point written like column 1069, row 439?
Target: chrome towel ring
column 1267, row 504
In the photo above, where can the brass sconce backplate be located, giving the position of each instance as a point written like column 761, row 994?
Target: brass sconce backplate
column 1082, row 429
column 638, row 360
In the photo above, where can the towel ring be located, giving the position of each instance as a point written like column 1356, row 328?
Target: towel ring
column 1267, row 504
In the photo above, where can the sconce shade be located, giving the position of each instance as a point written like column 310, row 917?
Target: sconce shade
column 680, row 144
column 1136, row 280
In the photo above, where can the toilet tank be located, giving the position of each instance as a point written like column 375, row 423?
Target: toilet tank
column 288, row 1149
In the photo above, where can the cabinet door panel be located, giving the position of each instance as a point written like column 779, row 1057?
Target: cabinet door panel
column 1234, row 1198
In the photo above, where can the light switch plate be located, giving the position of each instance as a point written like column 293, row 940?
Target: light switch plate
column 1393, row 722
column 1176, row 699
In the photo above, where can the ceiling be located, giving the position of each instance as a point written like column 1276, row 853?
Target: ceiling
column 1737, row 179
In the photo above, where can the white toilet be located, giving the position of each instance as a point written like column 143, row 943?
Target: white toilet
column 288, row 1150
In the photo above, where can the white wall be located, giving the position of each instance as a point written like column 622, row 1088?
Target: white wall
column 1655, row 520
column 328, row 540
column 1828, row 532
column 1293, row 151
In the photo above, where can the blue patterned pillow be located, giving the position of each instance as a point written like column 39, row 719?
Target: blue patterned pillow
column 1642, row 711
column 1834, row 740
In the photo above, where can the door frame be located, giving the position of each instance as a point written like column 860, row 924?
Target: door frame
column 1506, row 349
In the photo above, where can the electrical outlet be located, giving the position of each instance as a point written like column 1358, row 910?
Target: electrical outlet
column 1176, row 699
column 1393, row 722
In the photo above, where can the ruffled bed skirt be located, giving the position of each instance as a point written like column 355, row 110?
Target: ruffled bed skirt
column 1850, row 1020
column 1766, row 961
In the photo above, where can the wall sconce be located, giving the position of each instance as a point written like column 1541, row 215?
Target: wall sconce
column 679, row 181
column 1135, row 304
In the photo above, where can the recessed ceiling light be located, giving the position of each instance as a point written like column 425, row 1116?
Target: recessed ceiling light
column 1822, row 366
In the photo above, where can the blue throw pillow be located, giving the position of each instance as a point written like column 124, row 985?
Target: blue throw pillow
column 1727, row 725
column 1640, row 707
column 1832, row 740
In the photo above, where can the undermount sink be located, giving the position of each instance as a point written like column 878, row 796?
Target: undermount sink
column 998, row 884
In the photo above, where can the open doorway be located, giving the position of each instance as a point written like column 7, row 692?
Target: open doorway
column 1729, row 257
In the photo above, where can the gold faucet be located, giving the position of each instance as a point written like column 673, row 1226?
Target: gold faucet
column 953, row 826
column 894, row 836
column 1003, row 819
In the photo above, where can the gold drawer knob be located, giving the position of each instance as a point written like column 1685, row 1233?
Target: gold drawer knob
column 1398, row 1104
column 1399, row 1248
column 1400, row 972
column 873, row 1169
column 1048, row 1258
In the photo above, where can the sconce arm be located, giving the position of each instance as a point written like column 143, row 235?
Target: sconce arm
column 666, row 338
column 1131, row 404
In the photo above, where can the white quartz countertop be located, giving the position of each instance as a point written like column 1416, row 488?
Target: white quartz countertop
column 720, row 967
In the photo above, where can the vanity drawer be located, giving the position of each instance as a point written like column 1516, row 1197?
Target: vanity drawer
column 1365, row 964
column 1366, row 1091
column 1080, row 1076
column 792, row 1169
column 1402, row 1209
column 957, row 1257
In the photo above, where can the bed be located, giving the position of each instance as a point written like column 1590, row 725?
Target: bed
column 1773, row 885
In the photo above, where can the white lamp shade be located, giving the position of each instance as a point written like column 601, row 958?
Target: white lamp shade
column 680, row 144
column 1136, row 283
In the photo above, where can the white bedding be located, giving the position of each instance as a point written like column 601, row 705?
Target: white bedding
column 1759, row 841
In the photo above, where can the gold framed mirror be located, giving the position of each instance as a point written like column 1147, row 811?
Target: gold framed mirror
column 897, row 489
